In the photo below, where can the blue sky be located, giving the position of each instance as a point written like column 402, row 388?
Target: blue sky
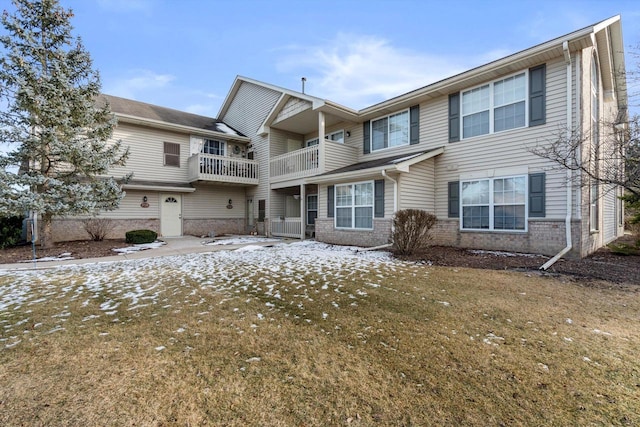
column 185, row 54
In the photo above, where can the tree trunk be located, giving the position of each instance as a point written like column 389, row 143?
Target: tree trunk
column 46, row 232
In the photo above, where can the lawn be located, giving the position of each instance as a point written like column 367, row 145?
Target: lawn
column 312, row 335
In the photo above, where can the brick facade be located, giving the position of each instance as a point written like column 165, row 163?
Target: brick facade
column 380, row 235
column 543, row 237
column 203, row 227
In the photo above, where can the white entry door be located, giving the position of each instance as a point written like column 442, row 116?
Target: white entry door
column 170, row 215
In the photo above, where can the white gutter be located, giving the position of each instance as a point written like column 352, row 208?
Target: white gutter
column 567, row 224
column 395, row 199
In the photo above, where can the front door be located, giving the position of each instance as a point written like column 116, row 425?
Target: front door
column 170, row 215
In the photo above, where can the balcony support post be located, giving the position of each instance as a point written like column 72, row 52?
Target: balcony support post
column 303, row 212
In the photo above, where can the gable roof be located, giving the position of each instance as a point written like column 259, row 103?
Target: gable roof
column 129, row 110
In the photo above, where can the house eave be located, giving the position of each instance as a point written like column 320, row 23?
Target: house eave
column 158, row 124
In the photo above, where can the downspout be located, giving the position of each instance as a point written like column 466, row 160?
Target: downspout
column 567, row 226
column 395, row 208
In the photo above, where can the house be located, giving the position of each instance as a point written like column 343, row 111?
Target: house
column 189, row 175
column 460, row 148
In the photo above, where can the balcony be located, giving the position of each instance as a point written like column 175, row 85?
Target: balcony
column 296, row 164
column 231, row 170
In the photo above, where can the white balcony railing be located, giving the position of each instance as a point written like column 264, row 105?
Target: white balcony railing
column 286, row 227
column 209, row 167
column 296, row 164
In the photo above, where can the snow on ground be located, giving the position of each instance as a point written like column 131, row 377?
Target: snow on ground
column 243, row 240
column 139, row 247
column 504, row 254
column 283, row 277
column 62, row 257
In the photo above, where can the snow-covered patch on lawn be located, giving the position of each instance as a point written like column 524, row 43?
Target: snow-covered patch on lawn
column 62, row 257
column 504, row 254
column 241, row 240
column 283, row 277
column 139, row 247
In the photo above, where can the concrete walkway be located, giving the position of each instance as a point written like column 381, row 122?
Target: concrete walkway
column 174, row 246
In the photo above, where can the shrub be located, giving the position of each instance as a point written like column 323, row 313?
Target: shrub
column 411, row 230
column 140, row 236
column 10, row 231
column 98, row 228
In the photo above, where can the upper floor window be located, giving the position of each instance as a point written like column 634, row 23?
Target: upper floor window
column 337, row 136
column 211, row 146
column 171, row 154
column 494, row 107
column 390, row 131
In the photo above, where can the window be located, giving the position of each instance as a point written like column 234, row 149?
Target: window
column 211, row 146
column 390, row 131
column 494, row 204
column 171, row 154
column 261, row 210
column 594, row 207
column 497, row 106
column 337, row 136
column 312, row 208
column 354, row 205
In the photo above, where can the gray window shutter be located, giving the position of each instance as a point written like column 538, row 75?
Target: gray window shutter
column 378, row 204
column 454, row 117
column 366, row 140
column 537, row 89
column 537, row 195
column 414, row 125
column 330, row 201
column 454, row 199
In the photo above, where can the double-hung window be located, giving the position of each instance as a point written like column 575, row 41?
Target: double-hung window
column 494, row 204
column 390, row 131
column 354, row 205
column 495, row 107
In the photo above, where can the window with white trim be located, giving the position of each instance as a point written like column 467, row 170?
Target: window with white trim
column 495, row 107
column 211, row 146
column 337, row 136
column 354, row 205
column 494, row 204
column 390, row 131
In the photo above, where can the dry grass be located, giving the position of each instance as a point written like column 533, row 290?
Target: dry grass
column 392, row 344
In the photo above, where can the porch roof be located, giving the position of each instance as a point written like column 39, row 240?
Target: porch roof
column 397, row 163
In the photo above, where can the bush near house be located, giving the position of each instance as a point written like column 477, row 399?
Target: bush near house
column 98, row 228
column 10, row 231
column 411, row 230
column 140, row 236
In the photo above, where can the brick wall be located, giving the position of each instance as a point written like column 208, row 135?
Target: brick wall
column 380, row 235
column 543, row 237
column 72, row 229
column 202, row 227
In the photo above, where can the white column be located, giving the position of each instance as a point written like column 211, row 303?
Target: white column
column 303, row 212
column 321, row 144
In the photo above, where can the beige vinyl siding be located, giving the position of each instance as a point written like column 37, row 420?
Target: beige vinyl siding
column 146, row 153
column 292, row 107
column 210, row 202
column 280, row 142
column 416, row 188
column 338, row 155
column 246, row 113
column 277, row 205
column 130, row 206
column 507, row 149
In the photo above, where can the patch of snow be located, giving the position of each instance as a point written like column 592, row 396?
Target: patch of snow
column 250, row 248
column 569, row 321
column 138, row 248
column 222, row 127
column 504, row 254
column 241, row 240
column 253, row 360
column 62, row 257
column 160, row 348
column 446, row 304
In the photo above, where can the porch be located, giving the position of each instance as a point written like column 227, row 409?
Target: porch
column 294, row 211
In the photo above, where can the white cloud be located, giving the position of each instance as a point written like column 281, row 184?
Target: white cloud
column 360, row 70
column 136, row 83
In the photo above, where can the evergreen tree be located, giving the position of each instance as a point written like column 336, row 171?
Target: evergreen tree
column 58, row 151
